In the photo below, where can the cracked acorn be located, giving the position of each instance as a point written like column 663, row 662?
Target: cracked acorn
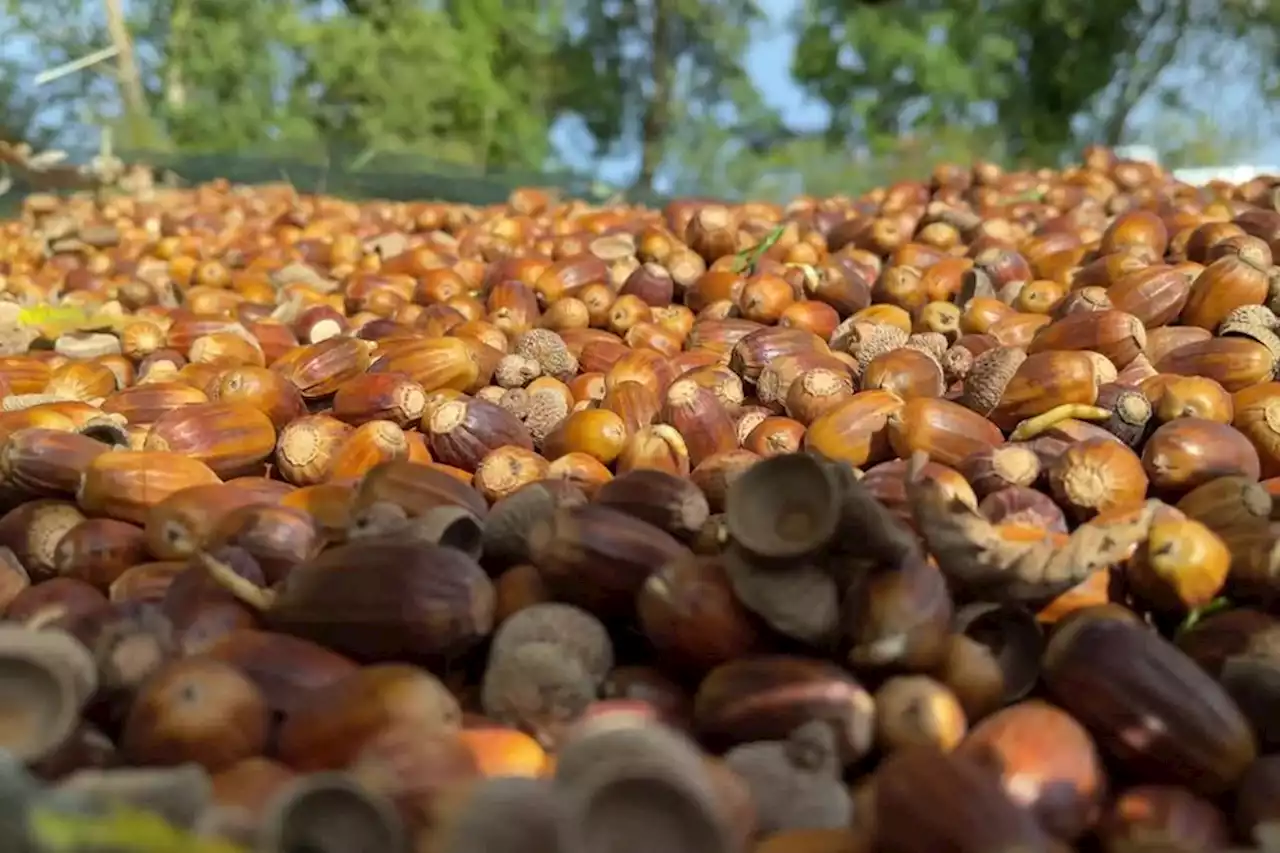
column 939, row 518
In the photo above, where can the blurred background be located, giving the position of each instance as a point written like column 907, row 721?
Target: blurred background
column 463, row 99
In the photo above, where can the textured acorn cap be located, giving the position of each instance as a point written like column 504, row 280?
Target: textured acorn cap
column 783, row 507
column 575, row 631
column 537, row 687
column 985, row 382
column 330, row 813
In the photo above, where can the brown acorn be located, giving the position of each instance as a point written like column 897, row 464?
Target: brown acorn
column 1163, row 815
column 598, row 433
column 380, row 396
column 287, row 670
column 927, row 800
column 1188, row 452
column 1187, row 397
column 855, row 431
column 598, row 557
column 461, row 433
column 344, row 715
column 947, row 431
column 1098, row 476
column 196, row 710
column 146, row 402
column 99, row 550
column 1046, row 761
column 917, row 711
column 126, row 486
column 47, row 462
column 688, row 611
column 416, row 489
column 266, row 390
column 317, row 370
column 990, row 469
column 183, row 522
column 33, row 530
column 767, row 697
column 369, row 445
column 700, row 418
column 306, row 448
column 1115, row 334
column 662, row 499
column 408, row 600
column 1153, row 711
column 1233, row 362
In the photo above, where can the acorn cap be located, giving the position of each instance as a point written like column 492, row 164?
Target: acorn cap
column 783, row 507
column 507, row 814
column 1014, row 637
column 638, row 789
column 330, row 813
column 46, row 676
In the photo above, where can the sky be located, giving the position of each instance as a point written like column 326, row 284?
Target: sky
column 768, row 61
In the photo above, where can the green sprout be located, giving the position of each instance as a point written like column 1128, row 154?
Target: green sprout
column 746, row 260
column 1198, row 614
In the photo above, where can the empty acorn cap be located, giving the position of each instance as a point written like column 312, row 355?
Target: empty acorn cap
column 1014, row 637
column 45, row 678
column 783, row 507
column 638, row 789
column 330, row 813
column 505, row 815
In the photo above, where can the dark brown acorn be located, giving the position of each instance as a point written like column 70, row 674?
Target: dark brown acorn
column 1151, row 708
column 598, row 557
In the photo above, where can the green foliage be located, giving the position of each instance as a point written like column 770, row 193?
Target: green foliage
column 359, row 89
column 1048, row 73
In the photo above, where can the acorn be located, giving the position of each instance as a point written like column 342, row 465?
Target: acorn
column 1163, row 814
column 898, row 616
column 380, row 396
column 185, row 520
column 340, row 718
column 672, row 503
column 410, row 600
column 991, row 469
column 513, row 516
column 125, row 486
column 689, row 613
column 1046, row 762
column 1118, row 678
column 307, row 447
column 33, row 530
column 916, row 710
column 47, row 462
column 462, row 432
column 598, row 557
column 767, row 697
column 927, row 800
column 196, row 710
column 1097, row 476
column 266, row 390
column 1188, row 452
column 319, row 369
column 947, row 431
column 286, row 670
column 99, row 550
column 416, row 489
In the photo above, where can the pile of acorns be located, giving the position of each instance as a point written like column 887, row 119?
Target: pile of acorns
column 937, row 519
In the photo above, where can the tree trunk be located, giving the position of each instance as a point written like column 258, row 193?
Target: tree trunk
column 657, row 114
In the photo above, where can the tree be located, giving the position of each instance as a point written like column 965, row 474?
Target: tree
column 644, row 72
column 1046, row 73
